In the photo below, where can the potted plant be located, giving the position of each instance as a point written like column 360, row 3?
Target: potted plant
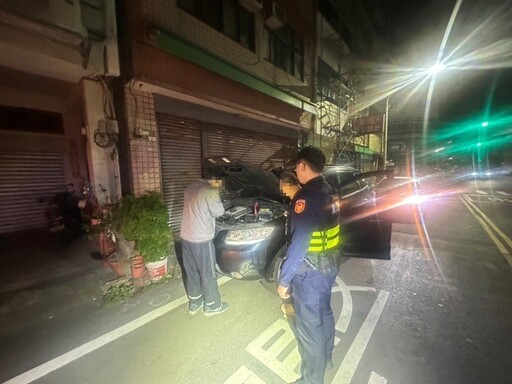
column 144, row 220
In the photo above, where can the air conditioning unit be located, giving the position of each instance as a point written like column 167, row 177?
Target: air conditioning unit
column 253, row 6
column 276, row 17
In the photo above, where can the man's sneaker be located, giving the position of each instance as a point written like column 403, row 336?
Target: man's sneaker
column 215, row 311
column 194, row 308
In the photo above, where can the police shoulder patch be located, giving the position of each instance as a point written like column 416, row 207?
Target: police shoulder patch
column 300, row 205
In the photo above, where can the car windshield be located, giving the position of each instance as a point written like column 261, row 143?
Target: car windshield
column 339, row 176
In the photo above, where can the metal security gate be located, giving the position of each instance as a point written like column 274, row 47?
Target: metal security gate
column 28, row 180
column 180, row 154
column 259, row 149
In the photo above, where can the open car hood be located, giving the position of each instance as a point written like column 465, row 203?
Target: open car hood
column 241, row 179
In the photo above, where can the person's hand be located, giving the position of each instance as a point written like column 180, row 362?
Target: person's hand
column 283, row 292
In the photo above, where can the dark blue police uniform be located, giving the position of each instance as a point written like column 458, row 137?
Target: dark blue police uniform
column 310, row 268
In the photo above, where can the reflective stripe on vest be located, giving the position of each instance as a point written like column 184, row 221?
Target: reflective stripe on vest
column 324, row 240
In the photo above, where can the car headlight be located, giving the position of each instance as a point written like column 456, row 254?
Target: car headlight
column 414, row 199
column 248, row 236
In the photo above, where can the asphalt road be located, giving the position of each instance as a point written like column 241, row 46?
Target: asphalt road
column 440, row 311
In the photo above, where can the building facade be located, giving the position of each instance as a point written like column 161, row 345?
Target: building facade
column 212, row 78
column 56, row 58
column 344, row 38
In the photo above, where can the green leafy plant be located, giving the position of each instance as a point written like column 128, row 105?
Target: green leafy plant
column 118, row 293
column 144, row 219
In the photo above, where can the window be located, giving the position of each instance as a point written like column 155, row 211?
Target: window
column 226, row 16
column 286, row 51
column 350, row 188
column 327, row 81
column 30, row 120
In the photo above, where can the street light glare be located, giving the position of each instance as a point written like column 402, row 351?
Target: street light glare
column 435, row 69
column 485, row 124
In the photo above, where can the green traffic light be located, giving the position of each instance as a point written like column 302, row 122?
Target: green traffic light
column 484, row 124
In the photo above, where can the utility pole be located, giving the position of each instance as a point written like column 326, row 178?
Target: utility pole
column 386, row 127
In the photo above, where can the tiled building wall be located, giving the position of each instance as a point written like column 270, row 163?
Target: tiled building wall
column 166, row 14
column 144, row 151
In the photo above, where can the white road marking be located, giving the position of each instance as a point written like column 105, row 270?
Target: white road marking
column 84, row 349
column 281, row 339
column 272, row 355
column 346, row 309
column 285, row 369
column 355, row 352
column 481, row 192
column 503, row 193
column 244, row 375
column 487, row 199
column 281, row 343
column 496, row 199
column 376, row 379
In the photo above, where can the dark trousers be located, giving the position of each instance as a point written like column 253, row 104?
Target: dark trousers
column 314, row 321
column 201, row 278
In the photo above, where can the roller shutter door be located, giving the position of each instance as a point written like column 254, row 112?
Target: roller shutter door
column 28, row 180
column 180, row 154
column 255, row 148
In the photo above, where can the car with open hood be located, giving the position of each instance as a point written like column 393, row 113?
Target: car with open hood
column 250, row 240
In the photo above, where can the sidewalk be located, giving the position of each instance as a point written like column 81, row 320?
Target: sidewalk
column 51, row 299
column 43, row 276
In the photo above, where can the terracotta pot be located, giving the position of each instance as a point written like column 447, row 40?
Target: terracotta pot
column 106, row 245
column 116, row 265
column 137, row 266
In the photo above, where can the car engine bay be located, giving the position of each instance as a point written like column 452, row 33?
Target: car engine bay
column 249, row 212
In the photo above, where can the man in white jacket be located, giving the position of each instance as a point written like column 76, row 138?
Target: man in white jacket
column 201, row 206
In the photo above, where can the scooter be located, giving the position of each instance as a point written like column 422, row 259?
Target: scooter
column 63, row 212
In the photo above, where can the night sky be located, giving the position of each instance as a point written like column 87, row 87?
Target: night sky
column 411, row 31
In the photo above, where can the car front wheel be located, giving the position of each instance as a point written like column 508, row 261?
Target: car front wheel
column 271, row 279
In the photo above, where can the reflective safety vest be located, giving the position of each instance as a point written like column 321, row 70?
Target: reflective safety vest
column 325, row 240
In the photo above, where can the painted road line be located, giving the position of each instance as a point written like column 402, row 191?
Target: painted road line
column 376, row 379
column 503, row 193
column 346, row 309
column 269, row 357
column 293, row 359
column 488, row 199
column 280, row 344
column 481, row 192
column 494, row 226
column 355, row 352
column 244, row 375
column 283, row 339
column 84, row 349
column 472, row 209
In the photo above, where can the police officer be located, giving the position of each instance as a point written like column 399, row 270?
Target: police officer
column 311, row 264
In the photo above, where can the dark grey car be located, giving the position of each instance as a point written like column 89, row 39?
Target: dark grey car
column 250, row 238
